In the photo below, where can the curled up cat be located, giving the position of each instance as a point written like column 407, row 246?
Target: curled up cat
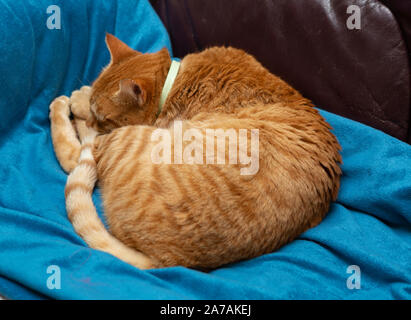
column 191, row 205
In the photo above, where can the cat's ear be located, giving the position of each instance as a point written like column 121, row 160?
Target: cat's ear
column 118, row 49
column 165, row 51
column 134, row 89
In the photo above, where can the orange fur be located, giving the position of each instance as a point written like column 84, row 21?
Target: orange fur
column 200, row 215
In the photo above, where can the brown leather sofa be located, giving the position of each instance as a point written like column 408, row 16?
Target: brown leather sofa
column 360, row 74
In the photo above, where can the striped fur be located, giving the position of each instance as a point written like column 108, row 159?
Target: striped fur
column 65, row 142
column 83, row 215
column 194, row 215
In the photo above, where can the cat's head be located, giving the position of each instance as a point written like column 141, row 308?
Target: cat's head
column 127, row 91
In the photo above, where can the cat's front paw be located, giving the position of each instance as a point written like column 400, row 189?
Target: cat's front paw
column 80, row 102
column 61, row 105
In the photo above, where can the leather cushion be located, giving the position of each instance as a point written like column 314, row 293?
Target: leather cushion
column 360, row 74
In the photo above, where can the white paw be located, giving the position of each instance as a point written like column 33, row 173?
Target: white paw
column 80, row 102
column 61, row 104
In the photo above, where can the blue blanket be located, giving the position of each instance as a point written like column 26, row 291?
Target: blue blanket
column 369, row 227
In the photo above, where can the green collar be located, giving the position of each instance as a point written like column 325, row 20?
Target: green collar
column 168, row 84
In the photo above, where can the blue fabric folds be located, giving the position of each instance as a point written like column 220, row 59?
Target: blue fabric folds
column 369, row 226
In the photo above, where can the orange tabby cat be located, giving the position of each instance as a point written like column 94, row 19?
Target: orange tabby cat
column 195, row 215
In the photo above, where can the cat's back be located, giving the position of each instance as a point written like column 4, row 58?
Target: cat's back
column 205, row 215
column 231, row 77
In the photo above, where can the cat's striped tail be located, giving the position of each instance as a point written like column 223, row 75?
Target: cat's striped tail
column 83, row 215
